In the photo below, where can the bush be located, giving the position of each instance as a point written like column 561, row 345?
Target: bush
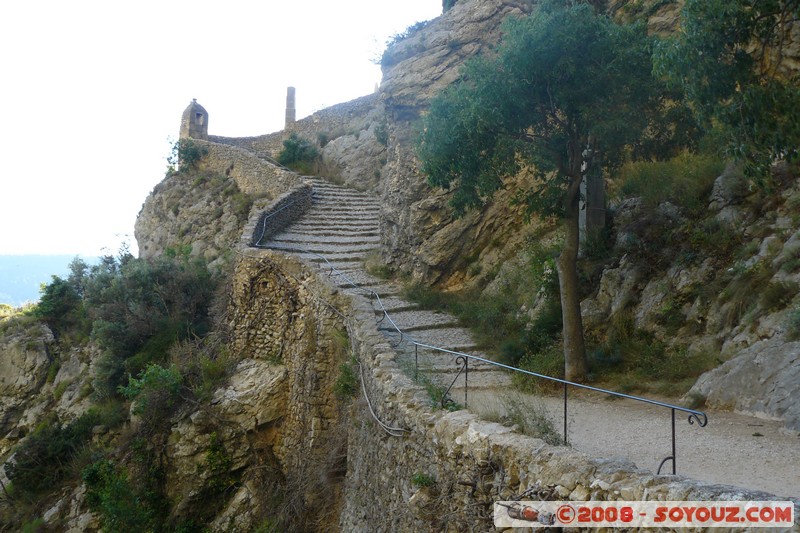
column 141, row 307
column 43, row 460
column 298, row 154
column 185, row 155
column 154, row 394
column 685, row 180
column 111, row 494
column 346, row 383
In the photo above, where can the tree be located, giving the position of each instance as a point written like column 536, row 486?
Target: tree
column 728, row 58
column 567, row 89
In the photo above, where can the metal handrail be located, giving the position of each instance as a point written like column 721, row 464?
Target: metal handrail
column 694, row 416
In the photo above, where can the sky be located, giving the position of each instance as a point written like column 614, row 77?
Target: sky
column 92, row 92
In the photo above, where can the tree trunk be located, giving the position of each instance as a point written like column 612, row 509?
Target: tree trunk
column 575, row 364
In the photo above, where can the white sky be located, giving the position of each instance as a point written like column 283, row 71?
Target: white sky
column 90, row 92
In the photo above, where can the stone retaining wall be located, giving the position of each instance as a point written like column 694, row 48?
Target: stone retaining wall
column 449, row 468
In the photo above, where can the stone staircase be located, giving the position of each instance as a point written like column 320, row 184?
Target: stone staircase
column 342, row 227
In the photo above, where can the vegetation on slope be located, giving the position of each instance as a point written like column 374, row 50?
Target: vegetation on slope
column 569, row 92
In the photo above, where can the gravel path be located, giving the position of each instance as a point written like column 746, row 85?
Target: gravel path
column 732, row 449
column 737, row 450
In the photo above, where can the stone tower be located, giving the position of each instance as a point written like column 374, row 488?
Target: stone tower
column 194, row 122
column 290, row 110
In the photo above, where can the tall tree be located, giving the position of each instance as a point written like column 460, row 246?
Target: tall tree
column 567, row 88
column 729, row 59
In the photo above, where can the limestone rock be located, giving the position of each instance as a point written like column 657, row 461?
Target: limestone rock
column 203, row 212
column 729, row 188
column 761, row 379
column 617, row 290
column 357, row 159
column 24, row 363
column 255, row 395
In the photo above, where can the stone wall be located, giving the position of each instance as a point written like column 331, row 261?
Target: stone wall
column 291, row 340
column 469, row 463
column 283, row 211
column 253, row 175
column 332, row 122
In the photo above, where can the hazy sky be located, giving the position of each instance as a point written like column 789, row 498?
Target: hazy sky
column 91, row 91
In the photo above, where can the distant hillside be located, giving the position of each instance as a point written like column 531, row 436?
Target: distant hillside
column 21, row 275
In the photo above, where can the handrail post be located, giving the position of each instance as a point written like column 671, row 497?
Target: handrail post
column 674, row 456
column 466, row 375
column 565, row 415
column 416, row 362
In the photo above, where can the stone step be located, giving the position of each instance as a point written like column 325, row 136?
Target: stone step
column 325, row 239
column 335, row 221
column 333, row 258
column 320, row 248
column 394, row 304
column 456, row 339
column 420, row 320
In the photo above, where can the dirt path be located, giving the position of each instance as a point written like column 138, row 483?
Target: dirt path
column 733, row 449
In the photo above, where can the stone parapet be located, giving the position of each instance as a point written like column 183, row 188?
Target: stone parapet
column 253, row 175
column 330, row 122
column 284, row 210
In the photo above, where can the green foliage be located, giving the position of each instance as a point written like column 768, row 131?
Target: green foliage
column 685, row 180
column 793, row 325
column 727, row 58
column 154, row 393
column 346, row 383
column 111, row 494
column 186, row 155
column 217, row 468
column 546, row 360
column 298, row 154
column 563, row 78
column 777, row 295
column 629, row 359
column 141, row 307
column 421, row 479
column 530, row 418
column 59, row 305
column 203, row 363
column 495, row 318
column 382, row 133
column 43, row 460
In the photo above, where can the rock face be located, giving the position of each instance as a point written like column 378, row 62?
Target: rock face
column 206, row 213
column 24, row 364
column 420, row 234
column 761, row 379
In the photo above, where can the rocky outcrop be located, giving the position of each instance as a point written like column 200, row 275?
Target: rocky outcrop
column 203, row 212
column 760, row 380
column 420, row 234
column 24, row 364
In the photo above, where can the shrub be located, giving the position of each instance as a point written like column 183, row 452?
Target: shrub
column 298, row 153
column 185, row 155
column 154, row 394
column 43, row 460
column 684, row 180
column 422, row 480
column 346, row 383
column 111, row 494
column 59, row 305
column 793, row 325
